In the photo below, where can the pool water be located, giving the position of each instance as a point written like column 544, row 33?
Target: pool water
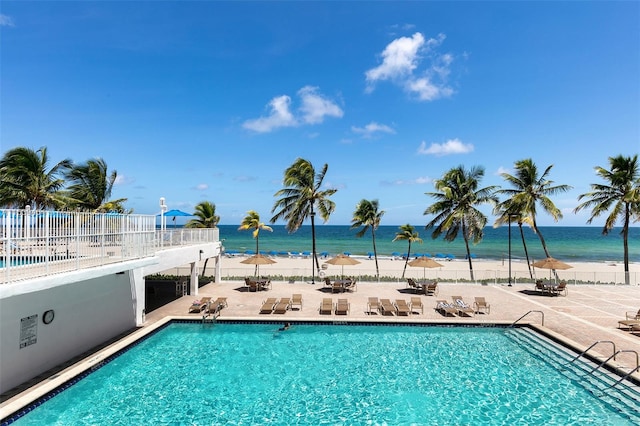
column 250, row 374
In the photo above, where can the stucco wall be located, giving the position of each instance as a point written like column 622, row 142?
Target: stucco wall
column 87, row 313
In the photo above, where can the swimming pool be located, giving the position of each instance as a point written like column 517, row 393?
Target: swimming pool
column 232, row 373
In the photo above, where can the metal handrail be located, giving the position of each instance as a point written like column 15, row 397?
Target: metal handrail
column 595, row 343
column 625, row 377
column 613, row 356
column 514, row 323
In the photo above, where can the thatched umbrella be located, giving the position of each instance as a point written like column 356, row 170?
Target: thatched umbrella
column 424, row 262
column 258, row 260
column 342, row 260
column 551, row 264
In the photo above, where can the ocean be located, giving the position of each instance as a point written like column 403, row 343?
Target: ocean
column 568, row 243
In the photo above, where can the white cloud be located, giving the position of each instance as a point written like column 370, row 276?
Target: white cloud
column 123, row 180
column 417, row 181
column 280, row 117
column 452, row 146
column 6, row 21
column 401, row 61
column 314, row 108
column 201, row 187
column 372, row 128
column 502, row 170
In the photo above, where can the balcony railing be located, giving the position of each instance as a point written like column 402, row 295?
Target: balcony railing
column 40, row 243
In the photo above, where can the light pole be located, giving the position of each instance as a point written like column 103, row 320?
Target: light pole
column 163, row 209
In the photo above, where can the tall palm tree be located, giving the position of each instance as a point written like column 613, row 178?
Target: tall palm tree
column 455, row 207
column 620, row 194
column 300, row 197
column 529, row 189
column 90, row 186
column 368, row 216
column 205, row 213
column 407, row 233
column 252, row 221
column 26, row 179
column 508, row 213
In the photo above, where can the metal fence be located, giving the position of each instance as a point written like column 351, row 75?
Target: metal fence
column 40, row 243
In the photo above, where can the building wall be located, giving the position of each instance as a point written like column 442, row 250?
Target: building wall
column 87, row 313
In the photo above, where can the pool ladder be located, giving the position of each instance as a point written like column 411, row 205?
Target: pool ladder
column 214, row 317
column 540, row 312
column 613, row 356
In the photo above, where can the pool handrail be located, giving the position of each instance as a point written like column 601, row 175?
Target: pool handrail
column 514, row 323
column 594, row 344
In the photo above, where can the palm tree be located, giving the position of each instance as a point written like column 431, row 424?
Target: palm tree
column 90, row 186
column 252, row 221
column 620, row 194
column 529, row 189
column 205, row 213
column 407, row 233
column 507, row 213
column 26, row 179
column 455, row 207
column 368, row 216
column 300, row 197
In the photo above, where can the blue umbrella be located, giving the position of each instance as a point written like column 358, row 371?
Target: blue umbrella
column 175, row 213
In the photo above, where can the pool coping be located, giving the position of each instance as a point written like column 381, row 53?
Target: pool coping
column 59, row 381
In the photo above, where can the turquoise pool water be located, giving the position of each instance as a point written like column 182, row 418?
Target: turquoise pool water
column 250, row 374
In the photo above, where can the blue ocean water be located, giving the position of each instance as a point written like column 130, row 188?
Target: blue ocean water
column 564, row 242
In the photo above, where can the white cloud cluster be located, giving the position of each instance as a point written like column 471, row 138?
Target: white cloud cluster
column 417, row 181
column 400, row 65
column 313, row 110
column 371, row 129
column 6, row 21
column 201, row 187
column 452, row 146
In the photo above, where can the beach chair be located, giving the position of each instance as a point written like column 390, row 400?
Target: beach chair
column 342, row 307
column 412, row 284
column 402, row 308
column 282, row 306
column 462, row 306
column 540, row 286
column 268, row 305
column 326, row 306
column 481, row 305
column 431, row 289
column 629, row 324
column 251, row 284
column 386, row 307
column 373, row 305
column 296, row 300
column 351, row 285
column 217, row 305
column 416, row 302
column 445, row 309
column 199, row 305
column 559, row 289
column 336, row 287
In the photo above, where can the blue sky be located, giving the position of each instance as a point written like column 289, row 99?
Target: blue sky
column 196, row 101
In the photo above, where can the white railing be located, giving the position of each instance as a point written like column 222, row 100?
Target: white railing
column 40, row 243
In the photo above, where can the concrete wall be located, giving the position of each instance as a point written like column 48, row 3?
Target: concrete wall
column 87, row 313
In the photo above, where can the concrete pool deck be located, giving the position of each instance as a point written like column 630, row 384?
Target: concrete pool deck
column 589, row 313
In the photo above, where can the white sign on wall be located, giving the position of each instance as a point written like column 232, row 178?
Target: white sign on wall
column 28, row 331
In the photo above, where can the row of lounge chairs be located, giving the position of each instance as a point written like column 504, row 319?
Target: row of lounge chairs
column 461, row 308
column 205, row 304
column 273, row 305
column 327, row 307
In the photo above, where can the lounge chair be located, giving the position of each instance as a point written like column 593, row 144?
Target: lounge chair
column 296, row 300
column 402, row 307
column 632, row 315
column 540, row 286
column 351, row 285
column 417, row 288
column 199, row 305
column 462, row 306
column 217, row 305
column 629, row 324
column 327, row 281
column 373, row 305
column 252, row 284
column 431, row 288
column 336, row 286
column 416, row 302
column 268, row 305
column 481, row 305
column 342, row 307
column 560, row 288
column 445, row 308
column 326, row 307
column 386, row 307
column 282, row 306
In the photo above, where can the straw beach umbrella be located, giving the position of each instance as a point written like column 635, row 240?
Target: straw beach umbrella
column 342, row 260
column 424, row 262
column 551, row 264
column 258, row 260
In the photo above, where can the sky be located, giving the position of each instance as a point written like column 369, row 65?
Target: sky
column 212, row 101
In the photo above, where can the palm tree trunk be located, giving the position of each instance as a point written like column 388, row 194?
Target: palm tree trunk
column 314, row 257
column 407, row 259
column 255, row 271
column 544, row 245
column 625, row 243
column 526, row 251
column 466, row 243
column 375, row 252
column 204, row 268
